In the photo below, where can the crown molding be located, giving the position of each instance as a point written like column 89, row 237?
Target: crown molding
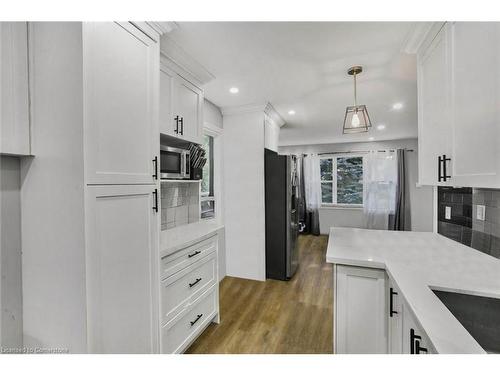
column 417, row 35
column 271, row 112
column 163, row 27
column 241, row 109
column 183, row 63
column 265, row 108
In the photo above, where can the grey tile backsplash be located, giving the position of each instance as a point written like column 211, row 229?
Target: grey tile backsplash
column 180, row 203
column 463, row 226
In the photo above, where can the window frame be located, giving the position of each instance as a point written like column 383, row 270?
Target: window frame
column 216, row 133
column 334, row 203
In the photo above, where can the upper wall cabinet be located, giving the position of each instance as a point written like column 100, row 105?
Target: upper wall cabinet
column 459, row 115
column 15, row 125
column 181, row 106
column 121, row 66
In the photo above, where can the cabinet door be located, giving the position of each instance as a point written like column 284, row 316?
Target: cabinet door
column 360, row 310
column 434, row 126
column 396, row 313
column 476, row 103
column 167, row 123
column 188, row 104
column 409, row 342
column 122, row 257
column 121, row 74
column 15, row 127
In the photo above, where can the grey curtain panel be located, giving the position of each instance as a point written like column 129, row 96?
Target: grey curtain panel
column 402, row 218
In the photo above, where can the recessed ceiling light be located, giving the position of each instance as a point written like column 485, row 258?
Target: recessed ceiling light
column 291, row 112
column 234, row 90
column 381, row 127
column 371, row 139
column 397, row 106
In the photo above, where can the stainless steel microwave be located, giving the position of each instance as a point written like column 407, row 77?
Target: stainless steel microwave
column 174, row 163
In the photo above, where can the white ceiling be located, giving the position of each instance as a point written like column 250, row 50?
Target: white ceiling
column 303, row 66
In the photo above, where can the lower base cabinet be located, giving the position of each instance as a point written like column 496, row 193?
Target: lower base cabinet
column 371, row 315
column 189, row 294
column 360, row 310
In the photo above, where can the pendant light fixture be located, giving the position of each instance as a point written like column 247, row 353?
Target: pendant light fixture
column 356, row 118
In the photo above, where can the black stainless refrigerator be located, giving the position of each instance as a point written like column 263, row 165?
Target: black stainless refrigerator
column 282, row 258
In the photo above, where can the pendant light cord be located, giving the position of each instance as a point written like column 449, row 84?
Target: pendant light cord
column 355, row 92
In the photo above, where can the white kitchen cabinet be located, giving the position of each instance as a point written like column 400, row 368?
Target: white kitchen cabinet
column 189, row 293
column 90, row 251
column 396, row 313
column 475, row 95
column 120, row 78
column 122, row 253
column 360, row 310
column 434, row 130
column 15, row 118
column 188, row 105
column 168, row 125
column 181, row 106
column 459, row 117
column 415, row 341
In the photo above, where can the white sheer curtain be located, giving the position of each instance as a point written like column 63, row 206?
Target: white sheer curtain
column 379, row 195
column 312, row 184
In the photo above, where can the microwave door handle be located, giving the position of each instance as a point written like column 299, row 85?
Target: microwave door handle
column 187, row 164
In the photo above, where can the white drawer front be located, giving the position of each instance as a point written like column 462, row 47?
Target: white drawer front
column 183, row 258
column 184, row 287
column 178, row 334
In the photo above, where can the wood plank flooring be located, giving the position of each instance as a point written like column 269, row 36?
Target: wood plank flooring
column 279, row 317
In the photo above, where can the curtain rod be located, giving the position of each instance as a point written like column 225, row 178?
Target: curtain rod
column 361, row 152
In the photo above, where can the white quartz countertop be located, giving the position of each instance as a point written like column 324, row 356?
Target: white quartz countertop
column 180, row 237
column 417, row 262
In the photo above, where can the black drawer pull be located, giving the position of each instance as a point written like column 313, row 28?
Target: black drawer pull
column 391, row 303
column 194, row 254
column 198, row 317
column 414, row 341
column 195, row 282
column 155, row 207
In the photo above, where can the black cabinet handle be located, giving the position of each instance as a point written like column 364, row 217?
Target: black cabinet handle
column 442, row 175
column 391, row 303
column 176, row 130
column 413, row 340
column 181, row 120
column 198, row 317
column 419, row 349
column 194, row 282
column 155, row 207
column 155, row 162
column 194, row 254
column 440, row 172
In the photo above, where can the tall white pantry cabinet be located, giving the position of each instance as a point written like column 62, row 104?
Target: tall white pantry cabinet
column 90, row 208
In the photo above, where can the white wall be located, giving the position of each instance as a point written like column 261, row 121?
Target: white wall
column 11, row 328
column 244, row 195
column 421, row 199
column 271, row 136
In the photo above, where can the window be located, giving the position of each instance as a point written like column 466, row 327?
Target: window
column 342, row 180
column 207, row 182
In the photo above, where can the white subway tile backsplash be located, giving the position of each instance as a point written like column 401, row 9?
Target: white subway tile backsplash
column 180, row 202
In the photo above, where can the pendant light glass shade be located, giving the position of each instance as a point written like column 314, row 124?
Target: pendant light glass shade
column 356, row 119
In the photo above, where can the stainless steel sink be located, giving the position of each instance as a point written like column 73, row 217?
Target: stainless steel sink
column 480, row 316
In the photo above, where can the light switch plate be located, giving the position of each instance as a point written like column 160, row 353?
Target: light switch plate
column 481, row 210
column 447, row 213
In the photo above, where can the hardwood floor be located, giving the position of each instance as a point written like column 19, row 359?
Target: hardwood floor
column 276, row 316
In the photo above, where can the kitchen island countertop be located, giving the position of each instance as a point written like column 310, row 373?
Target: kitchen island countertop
column 418, row 262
